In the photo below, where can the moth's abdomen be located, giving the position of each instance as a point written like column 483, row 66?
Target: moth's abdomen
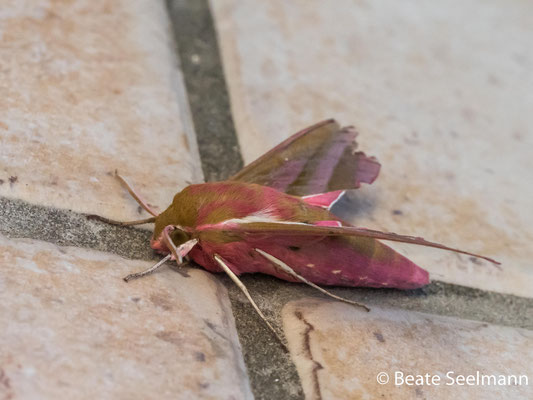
column 326, row 261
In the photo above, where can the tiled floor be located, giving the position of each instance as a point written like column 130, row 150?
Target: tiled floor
column 440, row 94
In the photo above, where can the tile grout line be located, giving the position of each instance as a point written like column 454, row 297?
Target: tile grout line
column 22, row 220
column 206, row 89
column 184, row 107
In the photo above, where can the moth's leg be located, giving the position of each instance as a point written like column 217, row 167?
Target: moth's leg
column 148, row 271
column 181, row 251
column 170, row 244
column 120, row 223
column 241, row 286
column 290, row 271
column 137, row 198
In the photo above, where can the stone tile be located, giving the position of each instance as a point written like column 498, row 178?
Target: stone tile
column 71, row 328
column 441, row 99
column 339, row 351
column 87, row 87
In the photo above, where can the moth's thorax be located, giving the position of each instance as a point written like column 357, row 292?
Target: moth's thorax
column 211, row 203
column 177, row 236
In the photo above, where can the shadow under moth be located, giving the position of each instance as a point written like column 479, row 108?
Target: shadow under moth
column 274, row 217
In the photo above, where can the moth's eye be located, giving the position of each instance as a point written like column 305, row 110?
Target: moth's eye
column 178, row 237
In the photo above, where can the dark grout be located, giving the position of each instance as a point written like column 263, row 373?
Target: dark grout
column 19, row 219
column 199, row 57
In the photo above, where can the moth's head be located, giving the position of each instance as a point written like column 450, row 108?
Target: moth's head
column 177, row 236
column 181, row 213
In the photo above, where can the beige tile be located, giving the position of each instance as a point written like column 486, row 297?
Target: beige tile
column 339, row 351
column 87, row 87
column 441, row 95
column 72, row 329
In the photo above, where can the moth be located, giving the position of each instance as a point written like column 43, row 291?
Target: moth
column 274, row 217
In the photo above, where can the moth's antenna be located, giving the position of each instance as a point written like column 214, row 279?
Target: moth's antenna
column 120, row 223
column 134, row 194
column 241, row 286
column 290, row 271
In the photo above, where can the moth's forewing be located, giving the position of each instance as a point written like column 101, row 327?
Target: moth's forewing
column 301, row 229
